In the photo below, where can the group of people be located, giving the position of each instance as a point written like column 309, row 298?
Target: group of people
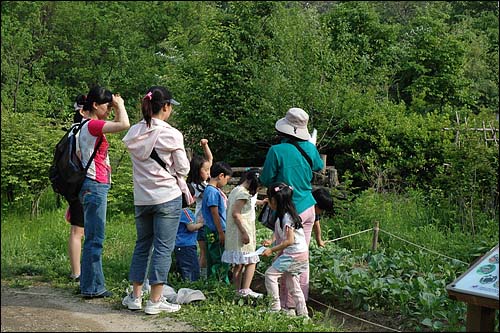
column 218, row 240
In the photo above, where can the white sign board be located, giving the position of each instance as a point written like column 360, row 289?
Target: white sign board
column 481, row 279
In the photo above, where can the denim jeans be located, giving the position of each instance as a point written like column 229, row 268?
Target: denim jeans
column 93, row 196
column 186, row 262
column 156, row 226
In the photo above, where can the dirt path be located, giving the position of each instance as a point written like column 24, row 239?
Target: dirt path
column 41, row 308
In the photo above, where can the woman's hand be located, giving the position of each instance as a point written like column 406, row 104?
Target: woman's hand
column 118, row 102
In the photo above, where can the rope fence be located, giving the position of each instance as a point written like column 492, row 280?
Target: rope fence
column 375, row 229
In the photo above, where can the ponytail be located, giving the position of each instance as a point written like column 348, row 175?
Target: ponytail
column 154, row 101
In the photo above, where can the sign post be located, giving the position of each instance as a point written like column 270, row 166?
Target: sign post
column 478, row 287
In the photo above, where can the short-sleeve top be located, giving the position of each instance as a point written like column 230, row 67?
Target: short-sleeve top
column 100, row 168
column 213, row 196
column 299, row 245
column 184, row 236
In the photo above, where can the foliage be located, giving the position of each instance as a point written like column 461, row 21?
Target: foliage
column 380, row 81
column 26, row 156
column 398, row 277
column 37, row 251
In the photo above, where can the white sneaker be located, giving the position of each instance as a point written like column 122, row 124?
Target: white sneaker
column 161, row 306
column 249, row 292
column 131, row 302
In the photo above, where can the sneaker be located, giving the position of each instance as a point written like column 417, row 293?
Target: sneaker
column 289, row 312
column 131, row 302
column 161, row 306
column 74, row 278
column 249, row 292
column 107, row 293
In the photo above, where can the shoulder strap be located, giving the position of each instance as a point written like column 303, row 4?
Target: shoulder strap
column 96, row 148
column 308, row 159
column 93, row 154
column 78, row 127
column 154, row 156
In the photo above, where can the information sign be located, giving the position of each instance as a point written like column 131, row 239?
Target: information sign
column 481, row 279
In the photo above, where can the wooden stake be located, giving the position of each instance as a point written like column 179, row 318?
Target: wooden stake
column 375, row 236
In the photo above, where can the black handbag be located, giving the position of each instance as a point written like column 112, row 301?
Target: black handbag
column 267, row 217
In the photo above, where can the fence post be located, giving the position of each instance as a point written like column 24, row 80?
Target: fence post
column 375, row 236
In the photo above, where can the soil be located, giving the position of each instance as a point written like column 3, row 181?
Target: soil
column 42, row 308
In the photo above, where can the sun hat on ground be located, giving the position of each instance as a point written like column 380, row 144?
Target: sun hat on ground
column 186, row 295
column 294, row 124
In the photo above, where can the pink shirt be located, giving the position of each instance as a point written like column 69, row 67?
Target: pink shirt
column 100, row 168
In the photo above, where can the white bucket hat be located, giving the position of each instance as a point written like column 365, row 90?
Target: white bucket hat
column 294, row 124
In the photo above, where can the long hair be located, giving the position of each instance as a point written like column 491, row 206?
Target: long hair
column 283, row 193
column 194, row 175
column 252, row 175
column 153, row 102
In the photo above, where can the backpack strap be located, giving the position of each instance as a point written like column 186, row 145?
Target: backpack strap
column 93, row 154
column 96, row 148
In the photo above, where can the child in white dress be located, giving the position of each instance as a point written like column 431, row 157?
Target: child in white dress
column 290, row 244
column 240, row 238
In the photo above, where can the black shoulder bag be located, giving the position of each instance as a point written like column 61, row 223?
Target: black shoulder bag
column 187, row 197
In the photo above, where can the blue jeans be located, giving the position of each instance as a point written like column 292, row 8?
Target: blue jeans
column 93, row 197
column 156, row 226
column 186, row 260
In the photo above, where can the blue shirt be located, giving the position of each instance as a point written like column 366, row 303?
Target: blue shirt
column 213, row 197
column 284, row 163
column 184, row 236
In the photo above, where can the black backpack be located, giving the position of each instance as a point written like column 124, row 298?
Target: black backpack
column 67, row 173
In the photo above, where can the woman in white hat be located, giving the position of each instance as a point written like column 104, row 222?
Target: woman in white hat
column 292, row 162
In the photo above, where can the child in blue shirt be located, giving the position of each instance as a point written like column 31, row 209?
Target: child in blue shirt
column 186, row 255
column 213, row 208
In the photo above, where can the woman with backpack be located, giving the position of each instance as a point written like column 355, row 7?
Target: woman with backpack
column 94, row 192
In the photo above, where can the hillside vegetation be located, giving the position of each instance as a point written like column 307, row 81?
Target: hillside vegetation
column 404, row 96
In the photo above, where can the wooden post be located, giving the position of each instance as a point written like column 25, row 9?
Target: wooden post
column 375, row 236
column 323, row 157
column 480, row 318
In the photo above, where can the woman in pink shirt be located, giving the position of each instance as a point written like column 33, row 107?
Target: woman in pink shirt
column 94, row 192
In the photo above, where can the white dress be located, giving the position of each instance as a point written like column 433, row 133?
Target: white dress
column 234, row 249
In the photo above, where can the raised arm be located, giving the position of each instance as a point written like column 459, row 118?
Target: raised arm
column 206, row 151
column 120, row 122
